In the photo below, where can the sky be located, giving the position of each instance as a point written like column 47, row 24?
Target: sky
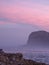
column 18, row 18
column 34, row 12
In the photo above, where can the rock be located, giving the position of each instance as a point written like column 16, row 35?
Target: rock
column 1, row 51
column 31, row 62
column 39, row 38
column 16, row 59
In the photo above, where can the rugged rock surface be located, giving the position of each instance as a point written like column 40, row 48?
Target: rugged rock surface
column 15, row 59
column 39, row 38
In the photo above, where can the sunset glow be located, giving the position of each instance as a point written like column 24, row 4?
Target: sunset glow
column 25, row 11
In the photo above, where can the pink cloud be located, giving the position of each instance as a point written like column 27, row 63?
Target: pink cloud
column 2, row 22
column 37, row 14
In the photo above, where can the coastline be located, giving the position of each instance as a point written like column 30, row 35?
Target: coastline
column 16, row 59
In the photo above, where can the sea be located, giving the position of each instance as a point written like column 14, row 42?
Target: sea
column 30, row 53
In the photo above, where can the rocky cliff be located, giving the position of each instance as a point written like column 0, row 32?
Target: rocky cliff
column 39, row 38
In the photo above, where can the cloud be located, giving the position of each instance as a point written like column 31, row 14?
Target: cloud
column 25, row 12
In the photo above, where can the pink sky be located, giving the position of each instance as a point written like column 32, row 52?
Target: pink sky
column 25, row 12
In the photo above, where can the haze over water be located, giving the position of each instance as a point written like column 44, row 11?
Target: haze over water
column 12, row 35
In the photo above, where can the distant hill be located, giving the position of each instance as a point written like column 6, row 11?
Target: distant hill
column 39, row 38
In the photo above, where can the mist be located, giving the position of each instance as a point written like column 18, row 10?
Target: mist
column 13, row 35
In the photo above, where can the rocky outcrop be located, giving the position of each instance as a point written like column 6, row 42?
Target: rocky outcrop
column 15, row 59
column 39, row 38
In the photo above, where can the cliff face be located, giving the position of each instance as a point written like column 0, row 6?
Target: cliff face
column 39, row 38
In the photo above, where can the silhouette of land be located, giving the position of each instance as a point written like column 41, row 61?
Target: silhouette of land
column 39, row 38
